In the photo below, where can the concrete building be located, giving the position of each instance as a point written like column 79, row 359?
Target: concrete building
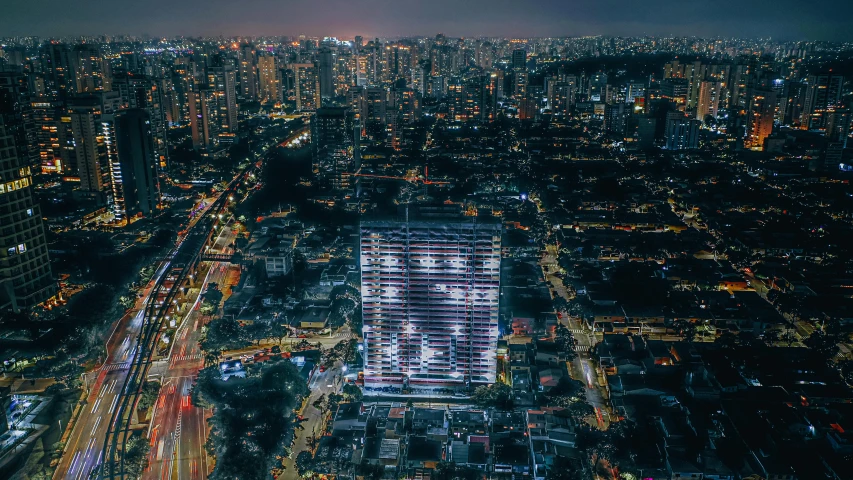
column 25, row 276
column 430, row 287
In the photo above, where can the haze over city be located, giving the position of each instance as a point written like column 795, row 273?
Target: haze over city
column 447, row 240
column 784, row 19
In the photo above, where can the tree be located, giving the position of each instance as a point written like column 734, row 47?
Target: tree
column 150, row 390
column 565, row 342
column 352, row 392
column 304, row 463
column 223, row 334
column 571, row 395
column 136, row 455
column 685, row 329
column 497, row 395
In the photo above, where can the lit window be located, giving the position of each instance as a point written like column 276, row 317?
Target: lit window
column 10, row 251
column 29, row 212
column 22, row 248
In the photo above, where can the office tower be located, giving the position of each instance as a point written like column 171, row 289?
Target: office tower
column 130, row 151
column 616, row 119
column 682, row 133
column 203, row 125
column 823, row 93
column 332, row 142
column 91, row 70
column 59, row 71
column 25, row 277
column 269, row 80
column 326, row 65
column 88, row 114
column 306, row 85
column 710, row 94
column 248, row 73
column 142, row 91
column 597, row 87
column 358, row 42
column 646, row 130
column 759, row 125
column 222, row 80
column 519, row 59
column 374, row 111
column 430, row 283
column 16, row 110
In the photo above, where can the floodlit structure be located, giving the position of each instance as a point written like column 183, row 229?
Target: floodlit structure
column 430, row 290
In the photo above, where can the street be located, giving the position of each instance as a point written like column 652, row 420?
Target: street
column 323, row 383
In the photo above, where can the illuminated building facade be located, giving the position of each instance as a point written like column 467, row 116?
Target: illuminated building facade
column 25, row 277
column 133, row 164
column 430, row 287
column 760, row 122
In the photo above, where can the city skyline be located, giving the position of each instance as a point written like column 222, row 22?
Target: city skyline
column 787, row 19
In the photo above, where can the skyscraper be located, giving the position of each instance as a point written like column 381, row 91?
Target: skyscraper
column 269, row 80
column 762, row 110
column 519, row 59
column 823, row 93
column 306, row 86
column 332, row 142
column 25, row 277
column 59, row 69
column 88, row 114
column 222, row 79
column 248, row 73
column 326, row 65
column 430, row 288
column 710, row 94
column 133, row 164
column 91, row 71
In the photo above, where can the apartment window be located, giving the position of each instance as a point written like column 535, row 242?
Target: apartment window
column 22, row 248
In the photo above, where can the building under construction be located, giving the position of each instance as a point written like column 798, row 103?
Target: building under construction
column 430, row 280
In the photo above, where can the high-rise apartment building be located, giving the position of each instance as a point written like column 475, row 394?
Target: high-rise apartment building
column 430, row 283
column 91, row 70
column 269, row 80
column 25, row 277
column 332, row 141
column 222, row 79
column 248, row 73
column 823, row 93
column 203, row 125
column 133, row 164
column 88, row 114
column 710, row 95
column 681, row 133
column 59, row 71
column 306, row 86
column 759, row 126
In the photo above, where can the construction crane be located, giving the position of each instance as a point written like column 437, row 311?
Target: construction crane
column 410, row 178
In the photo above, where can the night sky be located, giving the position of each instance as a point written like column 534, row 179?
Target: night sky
column 783, row 19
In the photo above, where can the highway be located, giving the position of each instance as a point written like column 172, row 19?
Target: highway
column 178, row 429
column 84, row 445
column 106, row 412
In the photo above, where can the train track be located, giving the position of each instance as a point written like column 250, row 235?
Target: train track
column 182, row 260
